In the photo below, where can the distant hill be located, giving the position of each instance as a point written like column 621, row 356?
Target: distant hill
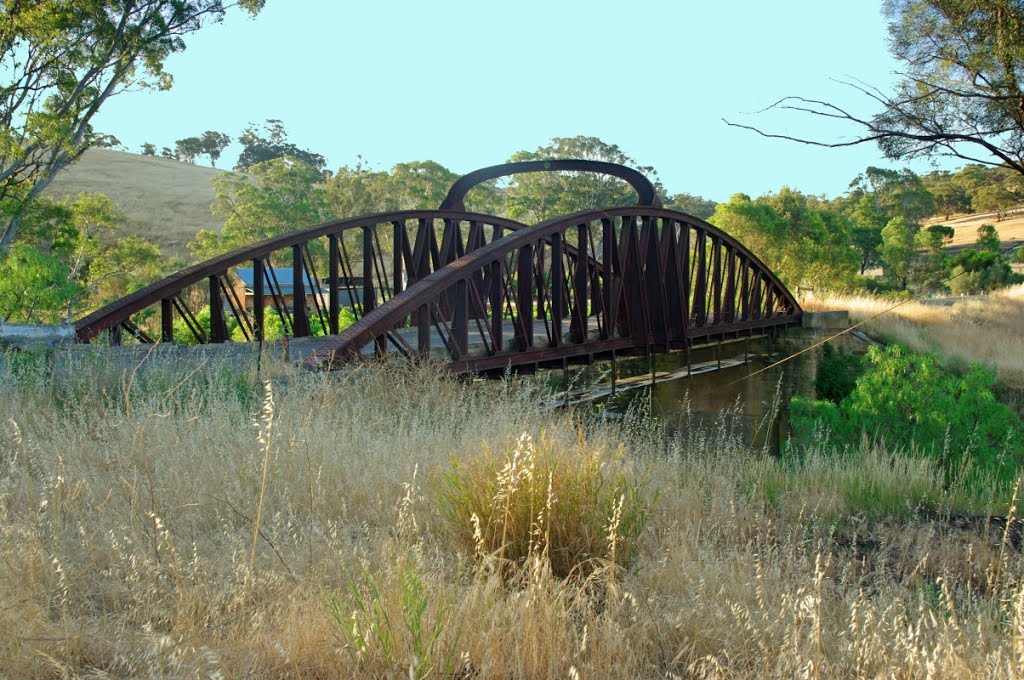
column 169, row 201
column 166, row 201
column 965, row 227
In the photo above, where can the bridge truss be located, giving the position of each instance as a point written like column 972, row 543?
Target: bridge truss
column 483, row 292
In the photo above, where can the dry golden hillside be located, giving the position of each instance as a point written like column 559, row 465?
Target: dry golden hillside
column 1011, row 228
column 166, row 201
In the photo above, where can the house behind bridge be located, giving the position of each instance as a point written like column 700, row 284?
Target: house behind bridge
column 280, row 286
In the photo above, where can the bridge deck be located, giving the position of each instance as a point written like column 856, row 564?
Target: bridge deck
column 479, row 341
column 660, row 279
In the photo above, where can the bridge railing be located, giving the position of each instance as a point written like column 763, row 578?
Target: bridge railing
column 303, row 280
column 640, row 278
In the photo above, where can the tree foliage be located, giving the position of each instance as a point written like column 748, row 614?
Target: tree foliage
column 358, row 190
column 988, row 239
column 80, row 245
column 949, row 196
column 210, row 143
column 996, row 198
column 187, row 149
column 692, row 205
column 35, row 286
column 61, row 60
column 867, row 240
column 983, row 267
column 899, row 247
column 273, row 198
column 213, row 143
column 800, row 239
column 960, row 93
column 930, row 268
column 910, row 400
column 837, row 373
column 892, row 193
column 420, row 184
column 271, row 143
column 537, row 196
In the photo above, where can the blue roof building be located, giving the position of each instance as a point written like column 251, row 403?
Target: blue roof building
column 284, row 277
column 349, row 292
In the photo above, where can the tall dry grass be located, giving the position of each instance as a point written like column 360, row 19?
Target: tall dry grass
column 987, row 330
column 173, row 522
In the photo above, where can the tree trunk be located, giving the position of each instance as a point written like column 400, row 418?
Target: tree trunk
column 14, row 221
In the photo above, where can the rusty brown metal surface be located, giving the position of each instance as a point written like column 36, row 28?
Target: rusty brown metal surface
column 484, row 292
column 281, row 248
column 646, row 194
column 535, row 282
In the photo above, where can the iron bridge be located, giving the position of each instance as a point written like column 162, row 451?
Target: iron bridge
column 483, row 292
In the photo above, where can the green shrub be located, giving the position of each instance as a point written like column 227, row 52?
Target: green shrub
column 397, row 619
column 273, row 329
column 576, row 508
column 909, row 400
column 815, row 422
column 837, row 373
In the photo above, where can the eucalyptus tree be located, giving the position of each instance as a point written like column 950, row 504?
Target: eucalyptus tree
column 534, row 197
column 960, row 91
column 60, row 61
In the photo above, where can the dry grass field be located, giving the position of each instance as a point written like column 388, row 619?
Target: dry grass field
column 186, row 521
column 165, row 201
column 1011, row 228
column 986, row 329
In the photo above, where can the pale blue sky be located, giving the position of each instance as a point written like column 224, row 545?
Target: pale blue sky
column 469, row 83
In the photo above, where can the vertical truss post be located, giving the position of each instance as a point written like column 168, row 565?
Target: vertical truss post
column 614, row 372
column 687, row 291
column 755, row 296
column 423, row 330
column 369, row 294
column 541, row 283
column 524, row 297
column 653, row 281
column 635, row 318
column 300, row 316
column 460, row 318
column 497, row 290
column 259, row 302
column 716, row 278
column 399, row 245
column 166, row 320
column 333, row 284
column 218, row 327
column 675, row 323
column 557, row 290
column 744, row 290
column 729, row 306
column 578, row 324
column 607, row 254
column 700, row 293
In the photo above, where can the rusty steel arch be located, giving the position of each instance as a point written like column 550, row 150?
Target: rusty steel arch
column 646, row 194
column 484, row 292
column 651, row 280
column 358, row 267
